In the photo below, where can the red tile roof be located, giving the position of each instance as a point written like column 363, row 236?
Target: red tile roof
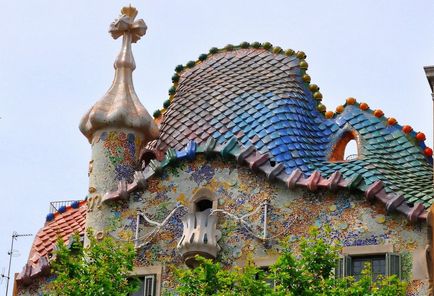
column 62, row 226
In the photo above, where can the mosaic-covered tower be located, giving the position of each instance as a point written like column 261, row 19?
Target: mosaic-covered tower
column 118, row 125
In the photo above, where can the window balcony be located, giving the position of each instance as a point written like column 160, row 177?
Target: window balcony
column 199, row 236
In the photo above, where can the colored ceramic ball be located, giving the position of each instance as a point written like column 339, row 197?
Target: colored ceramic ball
column 391, row 121
column 179, row 68
column 229, row 47
column 75, row 204
column 339, row 109
column 313, row 87
column 364, row 106
column 277, row 50
column 213, row 50
column 420, row 136
column 351, row 101
column 289, row 52
column 306, row 78
column 62, row 209
column 166, row 104
column 407, row 129
column 203, row 57
column 317, row 95
column 244, row 44
column 301, row 55
column 304, row 65
column 157, row 113
column 378, row 113
column 191, row 64
column 329, row 114
column 175, row 78
column 172, row 91
column 256, row 44
column 49, row 217
column 267, row 45
column 427, row 151
column 321, row 107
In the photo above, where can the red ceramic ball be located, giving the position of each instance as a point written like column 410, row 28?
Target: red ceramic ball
column 420, row 136
column 407, row 129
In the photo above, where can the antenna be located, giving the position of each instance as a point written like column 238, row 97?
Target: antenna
column 2, row 276
column 14, row 237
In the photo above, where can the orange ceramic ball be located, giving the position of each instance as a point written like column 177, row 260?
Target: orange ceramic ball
column 391, row 121
column 428, row 151
column 329, row 114
column 364, row 106
column 339, row 109
column 407, row 129
column 420, row 136
column 378, row 113
column 351, row 101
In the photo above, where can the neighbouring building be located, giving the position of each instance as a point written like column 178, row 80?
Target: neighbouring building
column 242, row 154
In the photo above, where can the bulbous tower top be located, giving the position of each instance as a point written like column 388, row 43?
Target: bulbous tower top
column 120, row 107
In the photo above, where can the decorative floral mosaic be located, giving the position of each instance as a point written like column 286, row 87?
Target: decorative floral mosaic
column 120, row 149
column 352, row 220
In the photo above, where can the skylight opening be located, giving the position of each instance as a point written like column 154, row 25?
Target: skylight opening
column 346, row 148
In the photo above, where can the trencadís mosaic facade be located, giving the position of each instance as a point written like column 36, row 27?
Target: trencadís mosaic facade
column 243, row 155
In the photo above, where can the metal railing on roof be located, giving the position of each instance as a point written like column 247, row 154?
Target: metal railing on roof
column 352, row 157
column 55, row 205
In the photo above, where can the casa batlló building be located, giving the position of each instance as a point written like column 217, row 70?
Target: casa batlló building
column 242, row 154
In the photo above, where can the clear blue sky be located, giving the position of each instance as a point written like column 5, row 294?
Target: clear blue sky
column 56, row 60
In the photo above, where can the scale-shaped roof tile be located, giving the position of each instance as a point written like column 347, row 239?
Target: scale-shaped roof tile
column 262, row 96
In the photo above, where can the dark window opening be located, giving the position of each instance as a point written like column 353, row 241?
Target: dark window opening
column 147, row 286
column 203, row 205
column 379, row 265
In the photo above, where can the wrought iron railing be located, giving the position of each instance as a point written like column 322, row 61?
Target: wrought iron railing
column 55, row 205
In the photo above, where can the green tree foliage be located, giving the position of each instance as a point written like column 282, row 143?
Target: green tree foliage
column 101, row 268
column 309, row 273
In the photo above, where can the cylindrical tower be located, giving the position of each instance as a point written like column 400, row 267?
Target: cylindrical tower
column 117, row 126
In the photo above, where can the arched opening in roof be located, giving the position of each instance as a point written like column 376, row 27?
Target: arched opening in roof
column 351, row 150
column 346, row 148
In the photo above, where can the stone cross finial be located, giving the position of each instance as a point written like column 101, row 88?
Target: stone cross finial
column 131, row 31
column 126, row 24
column 120, row 107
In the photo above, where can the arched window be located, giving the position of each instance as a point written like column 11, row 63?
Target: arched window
column 346, row 148
column 204, row 199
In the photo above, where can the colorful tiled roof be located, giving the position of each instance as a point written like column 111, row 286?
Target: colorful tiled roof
column 262, row 96
column 62, row 224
